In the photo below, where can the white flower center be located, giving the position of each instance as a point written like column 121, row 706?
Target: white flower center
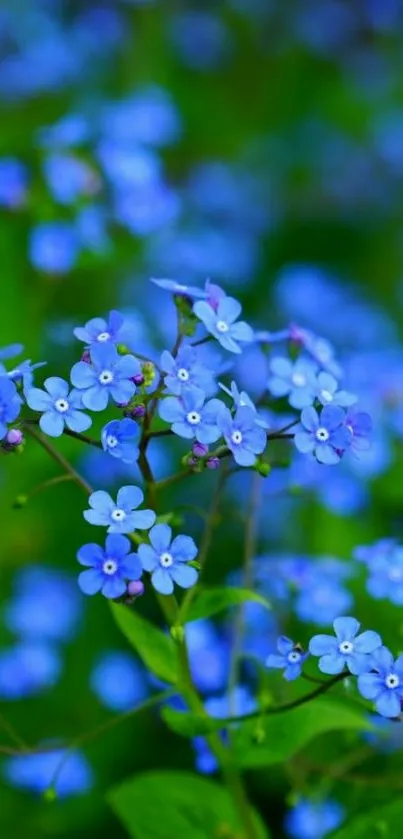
column 298, row 379
column 106, row 377
column 183, row 374
column 293, row 657
column 193, row 418
column 166, row 560
column 346, row 647
column 236, row 437
column 111, row 441
column 62, row 405
column 103, row 336
column 326, row 395
column 222, row 326
column 392, row 681
column 109, row 567
column 322, row 435
column 118, row 514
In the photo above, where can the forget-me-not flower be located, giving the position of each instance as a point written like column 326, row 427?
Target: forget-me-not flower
column 186, row 370
column 243, row 436
column 313, row 819
column 10, row 404
column 108, row 375
column 242, row 400
column 290, row 658
column 101, row 331
column 327, row 391
column 191, row 417
column 59, row 407
column 121, row 438
column 109, row 568
column 347, row 649
column 326, row 436
column 121, row 516
column 294, row 379
column 167, row 559
column 69, row 772
column 222, row 322
column 385, row 685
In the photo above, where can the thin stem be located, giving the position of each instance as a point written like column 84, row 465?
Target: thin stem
column 58, row 458
column 12, row 733
column 59, row 479
column 164, row 432
column 202, row 341
column 68, row 433
column 164, row 483
column 282, row 431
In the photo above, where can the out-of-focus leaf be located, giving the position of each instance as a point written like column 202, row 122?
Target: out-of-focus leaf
column 211, row 601
column 156, row 649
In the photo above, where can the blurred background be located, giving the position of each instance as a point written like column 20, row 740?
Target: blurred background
column 253, row 142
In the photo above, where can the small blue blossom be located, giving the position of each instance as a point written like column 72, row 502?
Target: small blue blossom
column 296, row 380
column 119, row 681
column 10, row 404
column 179, row 288
column 186, row 370
column 54, row 247
column 243, row 436
column 318, row 348
column 385, row 578
column 24, row 373
column 326, row 435
column 68, row 771
column 347, row 649
column 327, row 392
column 109, row 568
column 28, row 668
column 242, row 400
column 100, row 331
column 59, row 407
column 69, row 178
column 167, row 560
column 108, row 375
column 313, row 819
column 360, row 425
column 384, row 686
column 119, row 517
column 222, row 323
column 322, row 601
column 13, row 183
column 45, row 605
column 191, row 417
column 290, row 658
column 120, row 438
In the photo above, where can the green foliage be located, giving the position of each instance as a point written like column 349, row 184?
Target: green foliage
column 156, row 649
column 177, row 805
column 211, row 601
column 383, row 823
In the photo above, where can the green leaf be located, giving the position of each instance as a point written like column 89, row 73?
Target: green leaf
column 211, row 601
column 381, row 823
column 177, row 805
column 273, row 738
column 156, row 649
column 283, row 735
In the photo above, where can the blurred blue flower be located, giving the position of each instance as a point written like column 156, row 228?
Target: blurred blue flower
column 70, row 131
column 10, row 404
column 297, row 380
column 209, row 655
column 347, row 649
column 122, row 516
column 120, row 438
column 27, row 669
column 13, row 183
column 68, row 772
column 238, row 703
column 54, row 247
column 91, row 225
column 109, row 568
column 313, row 819
column 201, row 39
column 45, row 605
column 322, row 601
column 118, row 681
column 167, row 560
column 148, row 117
column 385, row 685
column 69, row 178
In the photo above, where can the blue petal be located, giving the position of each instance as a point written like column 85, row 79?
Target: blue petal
column 305, row 442
column 90, row 554
column 292, row 671
column 346, row 629
column 96, row 398
column 52, row 424
column 322, row 645
column 326, row 454
column 113, row 587
column 228, row 309
column 171, row 410
column 183, row 548
column 367, row 642
column 370, row 685
column 284, row 645
column 160, row 537
column 82, row 375
column 276, row 661
column 184, row 575
column 161, row 581
column 388, row 704
column 91, row 581
column 117, row 546
column 38, row 399
column 129, row 497
column 77, row 421
column 144, row 519
column 57, row 387
column 332, row 664
column 148, row 557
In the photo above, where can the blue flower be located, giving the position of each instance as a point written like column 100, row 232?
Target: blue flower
column 10, row 404
column 327, row 391
column 68, row 178
column 290, row 658
column 297, row 380
column 110, row 568
column 179, row 288
column 100, row 331
column 167, row 560
column 244, row 438
column 119, row 517
column 360, row 425
column 326, row 435
column 313, row 819
column 119, row 681
column 209, row 655
column 318, row 348
column 191, row 417
column 54, row 247
column 385, row 685
column 13, row 183
column 45, row 606
column 108, row 375
column 242, row 400
column 69, row 771
column 59, row 407
column 120, row 438
column 24, row 373
column 28, row 668
column 10, row 351
column 347, row 649
column 222, row 323
column 186, row 370
column 322, row 601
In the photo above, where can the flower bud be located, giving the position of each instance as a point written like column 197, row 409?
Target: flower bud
column 178, row 634
column 86, row 357
column 199, row 449
column 137, row 412
column 213, row 463
column 138, row 380
column 263, row 468
column 135, row 588
column 14, row 437
column 148, row 371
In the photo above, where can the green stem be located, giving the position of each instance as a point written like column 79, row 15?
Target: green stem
column 68, row 433
column 58, row 458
